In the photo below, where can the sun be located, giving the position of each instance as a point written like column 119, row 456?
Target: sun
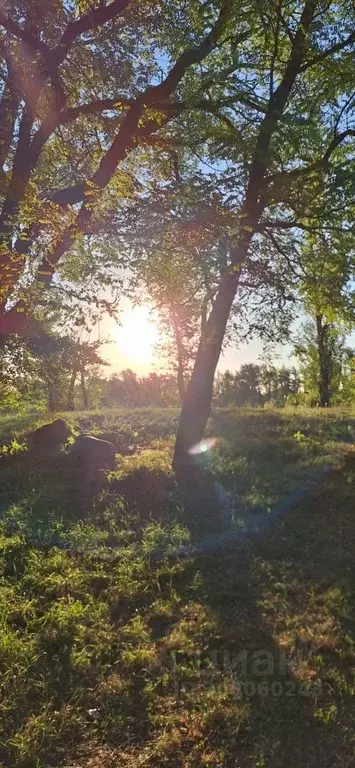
column 137, row 336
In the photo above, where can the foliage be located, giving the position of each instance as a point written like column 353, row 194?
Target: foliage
column 126, row 389
column 42, row 370
column 178, row 237
column 256, row 385
column 79, row 92
column 237, row 123
column 326, row 358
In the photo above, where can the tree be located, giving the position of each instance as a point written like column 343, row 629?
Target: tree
column 248, row 385
column 47, row 367
column 83, row 359
column 327, row 263
column 225, row 389
column 123, row 388
column 326, row 359
column 128, row 390
column 73, row 106
column 256, row 385
column 178, row 236
column 271, row 107
column 16, row 375
column 288, row 384
column 269, row 376
column 290, row 133
column 346, row 391
column 322, row 353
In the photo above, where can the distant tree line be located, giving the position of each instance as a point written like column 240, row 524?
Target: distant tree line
column 257, row 385
column 127, row 389
column 324, row 377
column 64, row 373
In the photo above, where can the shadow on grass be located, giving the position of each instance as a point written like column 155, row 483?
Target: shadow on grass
column 268, row 617
column 284, row 634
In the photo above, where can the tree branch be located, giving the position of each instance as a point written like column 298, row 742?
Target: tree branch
column 50, row 66
column 53, row 58
column 254, row 202
column 19, row 177
column 8, row 111
column 279, row 99
column 320, row 164
column 275, row 49
column 25, row 35
column 127, row 138
column 214, row 110
column 263, row 226
column 325, row 54
column 53, row 120
column 96, row 17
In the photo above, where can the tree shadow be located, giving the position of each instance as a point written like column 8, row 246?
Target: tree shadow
column 287, row 596
column 274, row 686
column 281, row 591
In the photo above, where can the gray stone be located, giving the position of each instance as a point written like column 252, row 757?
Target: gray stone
column 51, row 435
column 94, row 454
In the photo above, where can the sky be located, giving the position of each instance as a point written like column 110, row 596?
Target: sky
column 131, row 344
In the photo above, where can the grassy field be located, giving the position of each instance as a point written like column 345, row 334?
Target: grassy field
column 181, row 622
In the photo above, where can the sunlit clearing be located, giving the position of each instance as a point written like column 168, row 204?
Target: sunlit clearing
column 203, row 447
column 138, row 335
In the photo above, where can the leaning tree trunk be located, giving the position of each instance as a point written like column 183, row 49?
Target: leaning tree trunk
column 198, row 398
column 197, row 402
column 181, row 381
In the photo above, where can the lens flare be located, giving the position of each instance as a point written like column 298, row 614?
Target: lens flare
column 203, row 447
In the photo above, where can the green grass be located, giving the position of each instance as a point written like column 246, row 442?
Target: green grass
column 139, row 625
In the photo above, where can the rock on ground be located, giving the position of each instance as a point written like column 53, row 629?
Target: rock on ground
column 94, row 454
column 51, row 435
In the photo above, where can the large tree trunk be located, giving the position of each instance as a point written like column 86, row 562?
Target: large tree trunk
column 198, row 398
column 8, row 112
column 325, row 363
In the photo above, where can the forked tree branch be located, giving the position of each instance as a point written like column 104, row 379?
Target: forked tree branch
column 130, row 131
column 96, row 17
column 126, row 139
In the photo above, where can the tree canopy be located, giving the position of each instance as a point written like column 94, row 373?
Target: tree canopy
column 106, row 106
